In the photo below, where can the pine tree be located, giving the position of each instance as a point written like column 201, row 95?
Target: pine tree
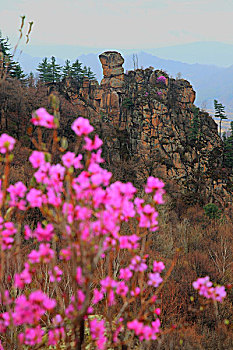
column 67, row 69
column 31, row 80
column 7, row 65
column 219, row 113
column 77, row 71
column 5, row 51
column 87, row 72
column 18, row 73
column 195, row 127
column 228, row 149
column 45, row 71
column 55, row 70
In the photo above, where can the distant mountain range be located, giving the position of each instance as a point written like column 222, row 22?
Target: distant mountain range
column 209, row 81
column 207, row 52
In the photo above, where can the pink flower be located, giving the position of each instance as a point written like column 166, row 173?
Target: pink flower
column 68, row 211
column 205, row 288
column 53, row 197
column 122, row 289
column 68, row 159
column 45, row 254
column 136, row 326
column 116, row 333
column 107, row 284
column 65, row 254
column 82, row 213
column 16, row 198
column 96, row 157
column 6, row 143
column 7, row 300
column 161, row 79
column 55, row 335
column 147, row 217
column 125, row 274
column 156, row 186
column 55, row 274
column 135, row 292
column 57, row 320
column 219, row 293
column 25, row 277
column 156, row 324
column 145, row 332
column 39, row 297
column 17, row 190
column 37, row 159
column 79, row 276
column 97, row 330
column 34, row 197
column 129, row 242
column 154, row 279
column 7, row 230
column 44, row 234
column 27, row 232
column 158, row 266
column 153, row 184
column 42, row 118
column 92, row 144
column 138, row 264
column 77, row 162
column 29, row 311
column 81, row 297
column 158, row 196
column 81, row 126
column 97, row 296
column 31, row 336
column 202, row 282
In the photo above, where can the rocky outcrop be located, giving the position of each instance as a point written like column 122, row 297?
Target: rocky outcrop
column 113, row 71
column 111, row 86
column 155, row 120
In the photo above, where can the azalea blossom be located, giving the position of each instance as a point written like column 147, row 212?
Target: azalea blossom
column 6, row 143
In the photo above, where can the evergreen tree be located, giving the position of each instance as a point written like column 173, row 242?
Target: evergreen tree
column 7, row 65
column 45, row 71
column 18, row 73
column 195, row 127
column 5, row 51
column 55, row 70
column 77, row 71
column 87, row 72
column 67, row 69
column 31, row 80
column 228, row 149
column 219, row 113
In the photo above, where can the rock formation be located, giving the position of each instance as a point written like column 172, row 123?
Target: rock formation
column 113, row 71
column 155, row 121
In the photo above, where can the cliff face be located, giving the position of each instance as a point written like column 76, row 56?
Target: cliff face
column 155, row 121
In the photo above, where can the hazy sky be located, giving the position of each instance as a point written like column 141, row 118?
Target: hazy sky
column 122, row 24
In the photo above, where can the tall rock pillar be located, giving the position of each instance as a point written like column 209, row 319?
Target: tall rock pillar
column 113, row 71
column 111, row 85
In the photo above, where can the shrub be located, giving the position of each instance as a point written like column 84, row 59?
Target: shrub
column 74, row 278
column 212, row 211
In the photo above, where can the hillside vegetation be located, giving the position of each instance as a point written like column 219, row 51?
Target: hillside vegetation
column 65, row 248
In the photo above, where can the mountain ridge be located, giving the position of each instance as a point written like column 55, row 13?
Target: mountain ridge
column 203, row 52
column 210, row 82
